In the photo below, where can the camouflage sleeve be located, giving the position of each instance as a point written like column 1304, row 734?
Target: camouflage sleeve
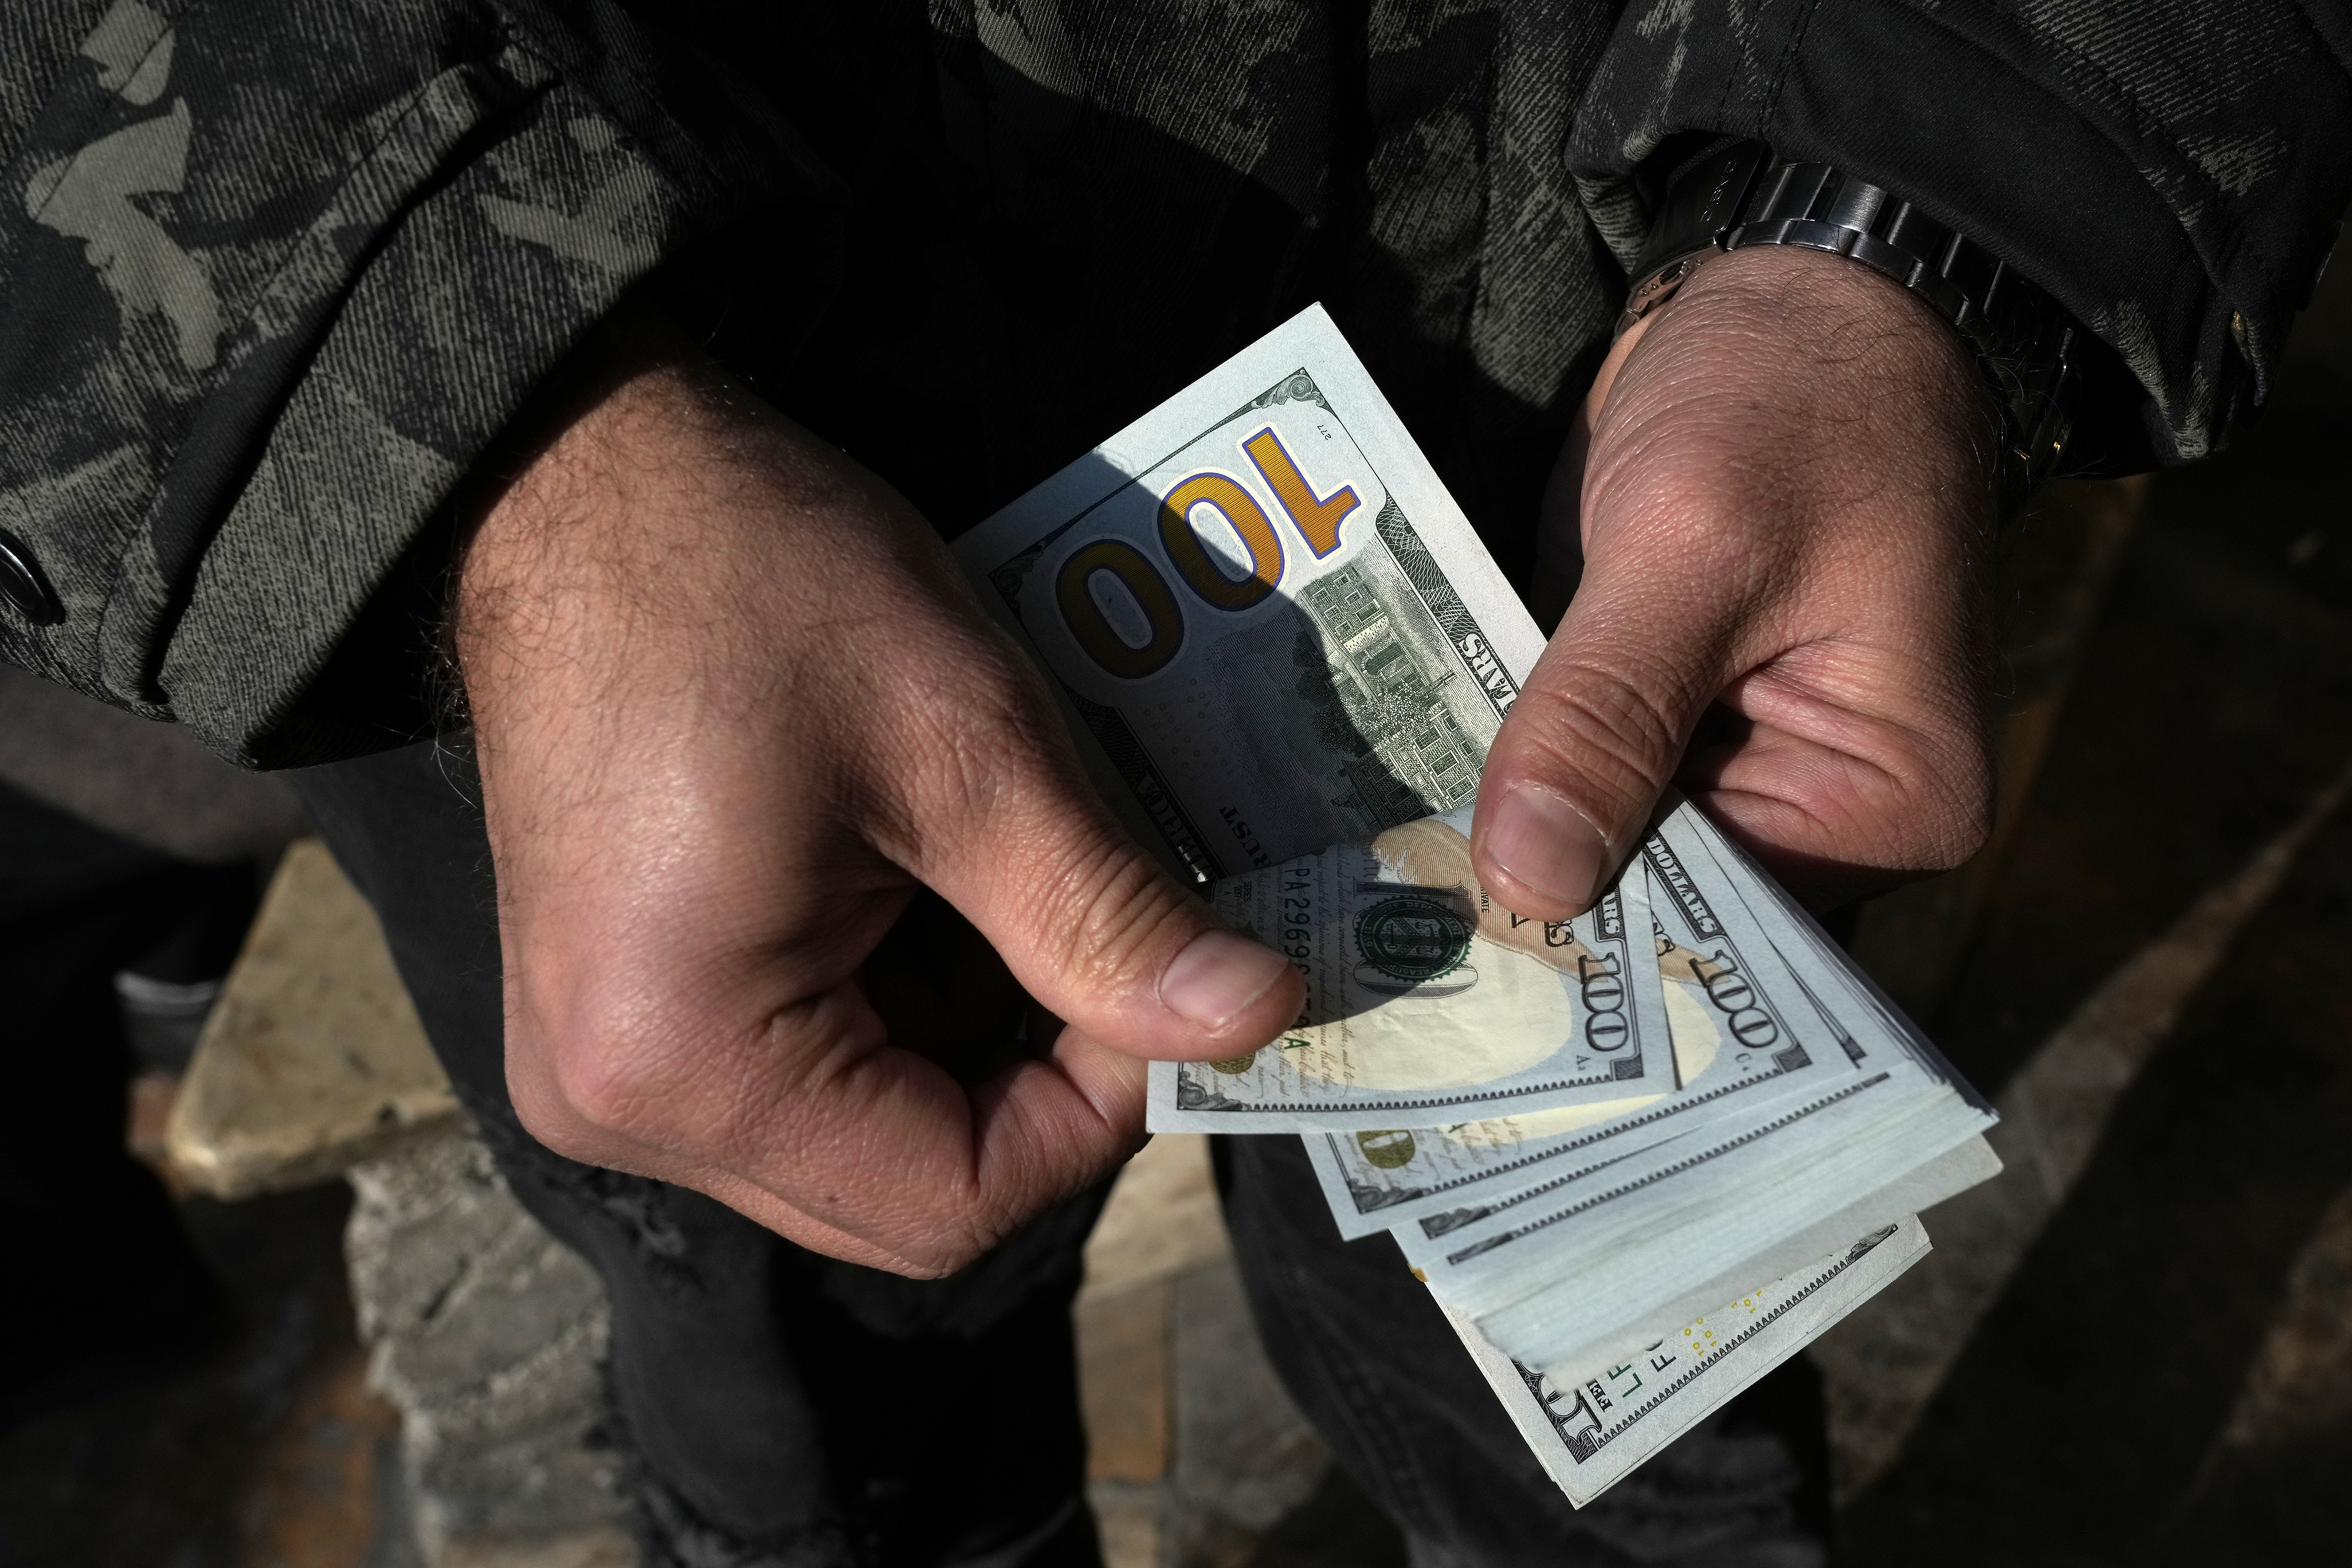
column 2172, row 169
column 275, row 275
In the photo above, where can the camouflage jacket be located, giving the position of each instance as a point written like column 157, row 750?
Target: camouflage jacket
column 278, row 271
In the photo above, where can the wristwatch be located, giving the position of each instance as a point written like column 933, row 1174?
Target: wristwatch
column 2026, row 343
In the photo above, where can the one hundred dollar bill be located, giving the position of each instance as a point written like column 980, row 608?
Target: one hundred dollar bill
column 1274, row 630
column 1714, row 874
column 1450, row 1173
column 1726, row 983
column 1532, row 1267
column 1378, row 1178
column 1759, row 1058
column 1426, row 1001
column 1631, row 1233
column 1587, row 1429
column 1579, row 1332
column 1838, row 989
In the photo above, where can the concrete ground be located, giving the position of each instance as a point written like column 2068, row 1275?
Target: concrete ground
column 2134, row 1348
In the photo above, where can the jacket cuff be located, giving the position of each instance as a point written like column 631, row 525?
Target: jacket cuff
column 234, row 450
column 2179, row 203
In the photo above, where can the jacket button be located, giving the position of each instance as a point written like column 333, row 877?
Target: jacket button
column 26, row 587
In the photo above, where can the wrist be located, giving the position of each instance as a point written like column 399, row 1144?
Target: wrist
column 2025, row 345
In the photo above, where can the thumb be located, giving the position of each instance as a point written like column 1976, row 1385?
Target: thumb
column 1638, row 654
column 1594, row 736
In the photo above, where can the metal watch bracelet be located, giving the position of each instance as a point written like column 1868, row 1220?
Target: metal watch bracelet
column 2025, row 342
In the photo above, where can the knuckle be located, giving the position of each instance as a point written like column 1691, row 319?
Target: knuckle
column 1118, row 906
column 1605, row 740
column 994, row 741
column 996, row 771
column 620, row 1067
column 972, row 734
column 937, row 1230
column 602, row 1084
column 556, row 1125
column 579, row 1113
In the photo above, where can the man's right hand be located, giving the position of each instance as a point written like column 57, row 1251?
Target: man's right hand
column 733, row 703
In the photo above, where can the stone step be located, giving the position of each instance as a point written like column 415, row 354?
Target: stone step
column 313, row 1058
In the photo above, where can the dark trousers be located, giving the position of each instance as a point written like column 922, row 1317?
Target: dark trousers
column 777, row 1406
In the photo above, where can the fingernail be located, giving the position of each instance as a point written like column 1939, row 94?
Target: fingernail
column 1547, row 846
column 1217, row 976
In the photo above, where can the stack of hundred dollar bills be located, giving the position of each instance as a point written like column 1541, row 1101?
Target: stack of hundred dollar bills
column 1638, row 1158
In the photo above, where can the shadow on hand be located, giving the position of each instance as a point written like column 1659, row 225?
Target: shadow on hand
column 946, row 995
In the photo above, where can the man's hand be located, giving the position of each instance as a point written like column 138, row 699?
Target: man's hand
column 733, row 703
column 1781, row 488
